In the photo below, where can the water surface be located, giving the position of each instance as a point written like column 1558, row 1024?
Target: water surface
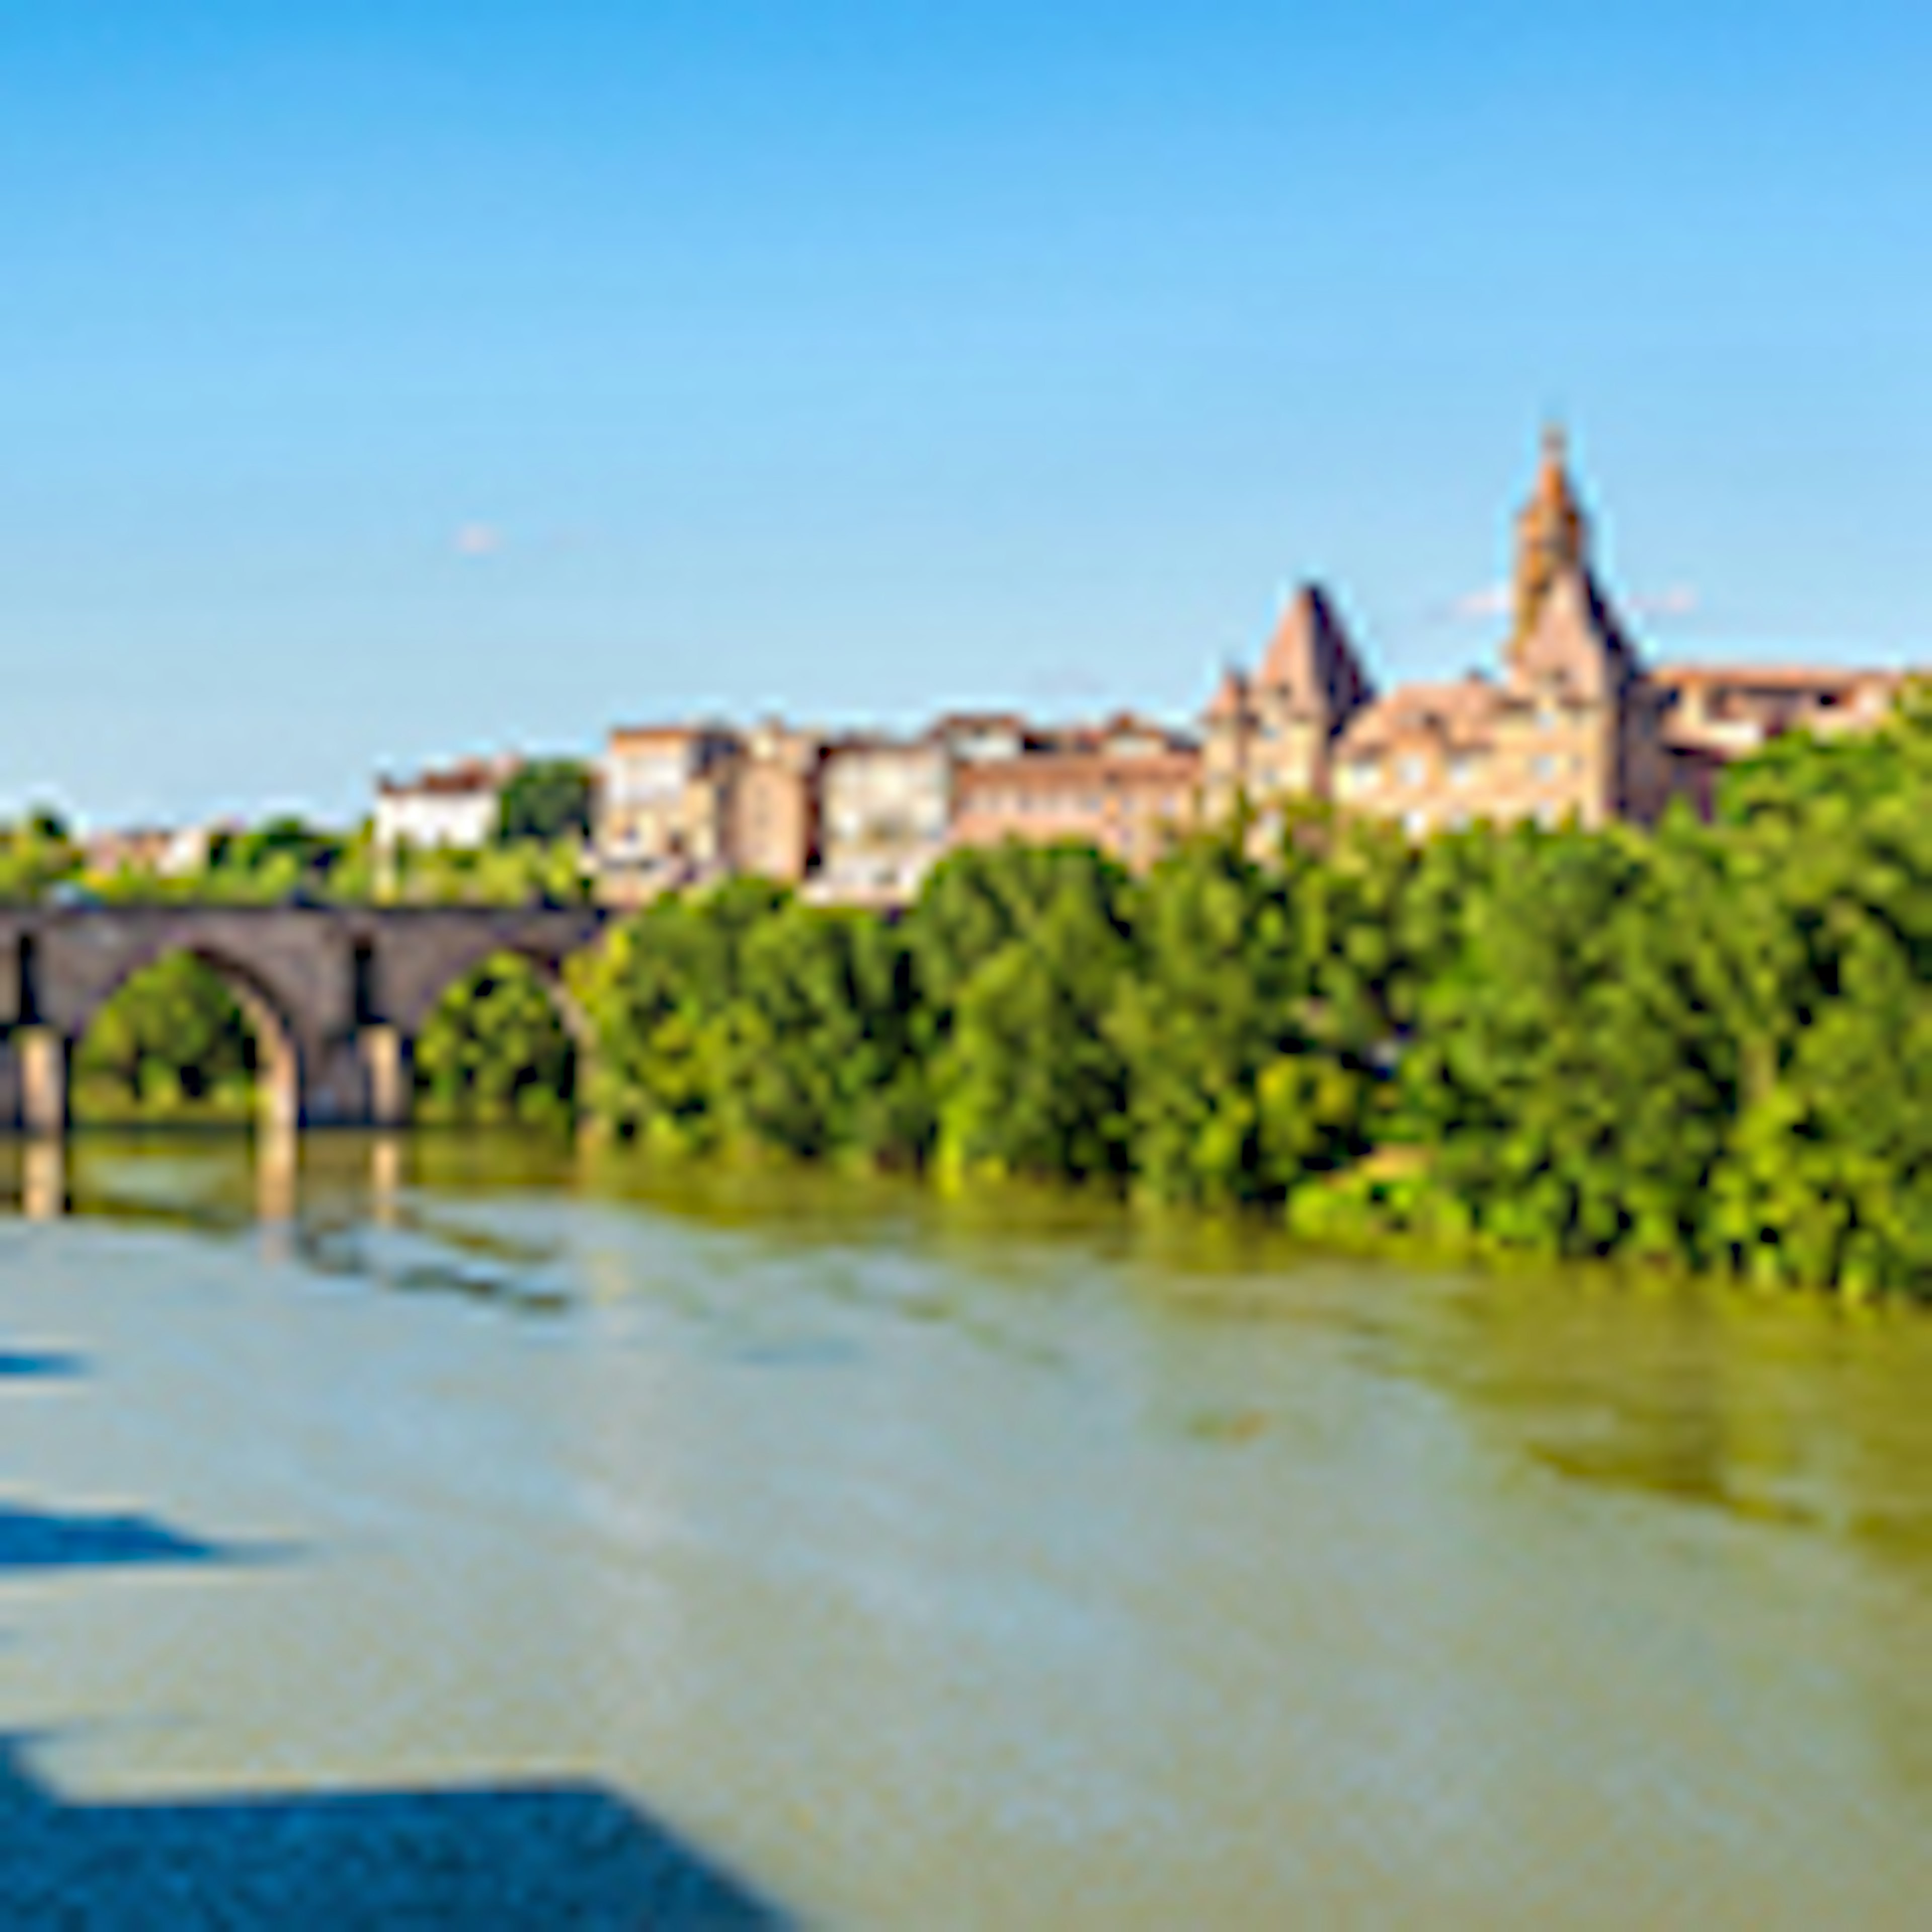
column 902, row 1562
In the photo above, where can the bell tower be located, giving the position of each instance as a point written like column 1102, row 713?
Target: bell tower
column 1552, row 536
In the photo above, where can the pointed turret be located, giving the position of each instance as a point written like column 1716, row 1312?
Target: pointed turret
column 1310, row 669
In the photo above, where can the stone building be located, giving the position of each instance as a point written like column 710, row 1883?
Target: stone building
column 663, row 799
column 1571, row 729
column 771, row 829
column 1573, row 726
column 1273, row 735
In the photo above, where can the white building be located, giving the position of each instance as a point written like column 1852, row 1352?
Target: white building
column 459, row 807
column 885, row 814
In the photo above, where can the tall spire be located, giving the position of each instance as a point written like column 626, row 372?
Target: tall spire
column 1552, row 534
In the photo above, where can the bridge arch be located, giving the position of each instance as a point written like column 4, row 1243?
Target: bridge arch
column 282, row 1055
column 457, row 1067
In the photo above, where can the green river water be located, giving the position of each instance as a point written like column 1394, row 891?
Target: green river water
column 1004, row 1563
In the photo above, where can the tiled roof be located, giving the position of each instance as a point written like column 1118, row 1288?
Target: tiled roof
column 1230, row 699
column 1465, row 713
column 468, row 779
column 1774, row 677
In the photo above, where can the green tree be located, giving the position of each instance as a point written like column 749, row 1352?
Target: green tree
column 172, row 1039
column 549, row 799
column 495, row 1050
column 1031, row 1081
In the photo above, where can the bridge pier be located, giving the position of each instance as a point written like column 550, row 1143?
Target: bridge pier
column 278, row 1083
column 44, row 1057
column 386, row 1057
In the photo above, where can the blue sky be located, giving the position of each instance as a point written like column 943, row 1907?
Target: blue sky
column 383, row 381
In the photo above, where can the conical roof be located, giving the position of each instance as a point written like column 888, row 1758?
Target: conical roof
column 1231, row 697
column 1309, row 661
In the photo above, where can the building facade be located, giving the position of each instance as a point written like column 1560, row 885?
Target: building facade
column 1272, row 737
column 772, row 814
column 1128, row 787
column 663, row 818
column 885, row 816
column 456, row 808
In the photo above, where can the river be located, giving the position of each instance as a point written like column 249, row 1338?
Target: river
column 891, row 1562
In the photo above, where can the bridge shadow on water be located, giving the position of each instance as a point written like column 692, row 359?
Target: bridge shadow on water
column 539, row 1855
column 39, row 1540
column 25, row 1365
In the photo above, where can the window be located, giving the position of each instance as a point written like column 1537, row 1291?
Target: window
column 1416, row 822
column 1463, row 768
column 1545, row 765
column 1360, row 775
column 1412, row 770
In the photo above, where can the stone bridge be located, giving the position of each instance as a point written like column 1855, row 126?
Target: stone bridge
column 337, row 994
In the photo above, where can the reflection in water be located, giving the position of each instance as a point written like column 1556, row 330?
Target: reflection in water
column 278, row 1157
column 386, row 1178
column 999, row 1561
column 43, row 1178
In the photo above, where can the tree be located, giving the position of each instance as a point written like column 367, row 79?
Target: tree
column 548, row 799
column 171, row 1036
column 494, row 1050
column 1232, row 1095
column 1031, row 1081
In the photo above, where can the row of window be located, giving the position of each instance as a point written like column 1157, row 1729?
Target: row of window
column 1418, row 823
column 1412, row 771
column 1024, row 804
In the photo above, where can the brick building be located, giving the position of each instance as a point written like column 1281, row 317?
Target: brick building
column 771, row 828
column 1126, row 787
column 1575, row 726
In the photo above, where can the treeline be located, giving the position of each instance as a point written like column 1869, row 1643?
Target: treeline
column 1707, row 1046
column 536, row 855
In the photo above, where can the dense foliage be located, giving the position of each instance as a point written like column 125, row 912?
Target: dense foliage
column 548, row 799
column 494, row 1050
column 171, row 1044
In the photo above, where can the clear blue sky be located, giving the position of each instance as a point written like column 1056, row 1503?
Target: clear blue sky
column 386, row 379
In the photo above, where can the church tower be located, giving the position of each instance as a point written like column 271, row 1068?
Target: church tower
column 1552, row 537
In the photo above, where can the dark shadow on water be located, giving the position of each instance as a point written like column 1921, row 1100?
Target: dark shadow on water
column 19, row 1366
column 33, row 1539
column 541, row 1856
